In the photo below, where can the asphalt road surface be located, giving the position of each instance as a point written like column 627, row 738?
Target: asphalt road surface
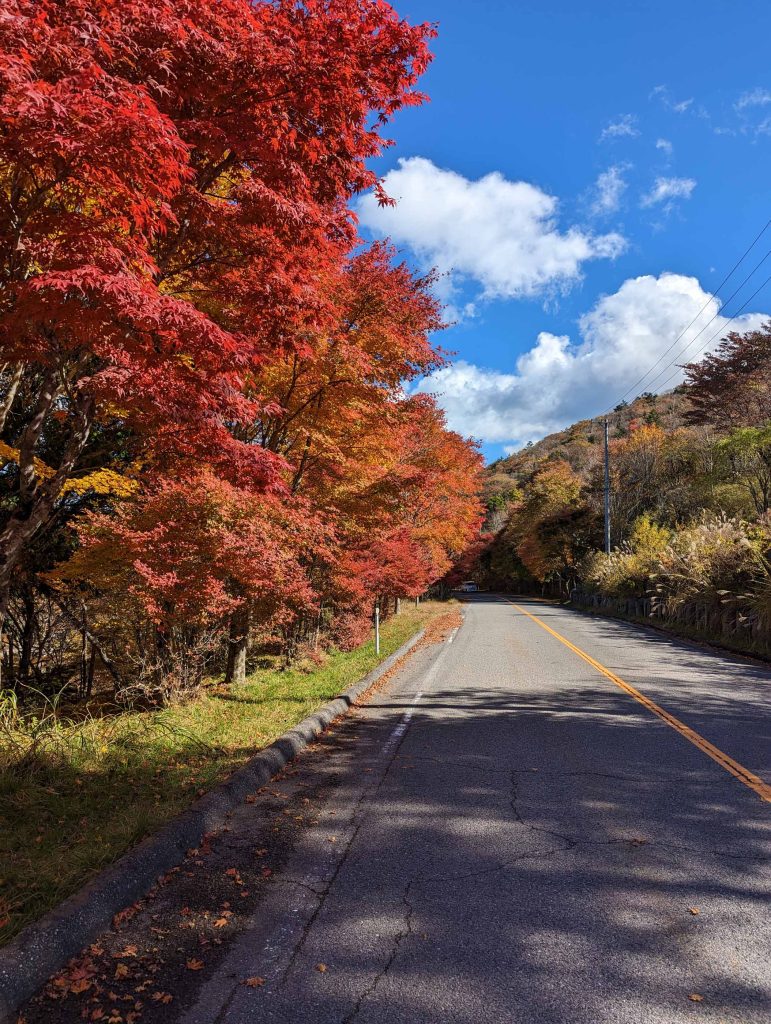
column 504, row 834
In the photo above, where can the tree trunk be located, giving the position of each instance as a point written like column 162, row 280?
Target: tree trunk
column 237, row 645
column 90, row 672
column 10, row 394
column 27, row 634
column 84, row 654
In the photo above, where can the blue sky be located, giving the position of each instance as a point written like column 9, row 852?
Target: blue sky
column 584, row 176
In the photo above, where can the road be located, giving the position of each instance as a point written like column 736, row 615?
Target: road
column 504, row 834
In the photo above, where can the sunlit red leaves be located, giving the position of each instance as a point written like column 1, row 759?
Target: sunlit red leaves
column 189, row 264
column 174, row 203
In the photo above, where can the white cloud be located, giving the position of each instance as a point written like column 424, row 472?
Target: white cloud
column 503, row 235
column 557, row 382
column 665, row 146
column 626, row 125
column 679, row 106
column 608, row 190
column 751, row 108
column 666, row 190
column 754, row 98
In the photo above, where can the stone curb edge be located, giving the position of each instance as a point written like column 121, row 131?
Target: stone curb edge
column 45, row 946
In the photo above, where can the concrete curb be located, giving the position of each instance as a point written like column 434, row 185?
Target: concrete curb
column 45, row 946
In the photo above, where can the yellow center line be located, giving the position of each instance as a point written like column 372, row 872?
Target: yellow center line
column 750, row 780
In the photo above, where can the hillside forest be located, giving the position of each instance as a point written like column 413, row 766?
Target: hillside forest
column 690, row 498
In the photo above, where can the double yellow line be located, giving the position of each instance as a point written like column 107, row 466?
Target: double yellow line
column 739, row 772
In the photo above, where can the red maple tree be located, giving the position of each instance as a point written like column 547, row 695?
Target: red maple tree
column 175, row 178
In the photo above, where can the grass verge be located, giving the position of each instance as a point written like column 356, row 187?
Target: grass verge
column 93, row 788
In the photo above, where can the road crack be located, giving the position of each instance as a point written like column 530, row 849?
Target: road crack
column 404, row 933
column 570, row 841
column 573, row 841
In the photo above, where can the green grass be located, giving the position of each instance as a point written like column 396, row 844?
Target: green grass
column 90, row 789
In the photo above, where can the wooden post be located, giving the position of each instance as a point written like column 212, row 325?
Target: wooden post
column 377, row 628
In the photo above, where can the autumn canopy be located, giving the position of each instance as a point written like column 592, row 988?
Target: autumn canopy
column 206, row 424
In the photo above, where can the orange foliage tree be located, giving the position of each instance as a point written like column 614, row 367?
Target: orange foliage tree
column 193, row 344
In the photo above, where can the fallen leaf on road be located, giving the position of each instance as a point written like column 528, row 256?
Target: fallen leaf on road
column 80, row 986
column 321, row 968
column 694, row 910
column 696, row 998
column 253, row 982
column 128, row 951
column 194, row 965
column 163, row 997
column 221, row 922
column 121, row 971
column 125, row 915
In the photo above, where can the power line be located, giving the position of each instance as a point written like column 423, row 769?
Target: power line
column 696, row 336
column 706, row 345
column 727, row 277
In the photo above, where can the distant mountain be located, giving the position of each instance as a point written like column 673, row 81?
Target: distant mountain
column 577, row 444
column 580, row 446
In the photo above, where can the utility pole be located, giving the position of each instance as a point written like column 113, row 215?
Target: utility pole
column 377, row 627
column 607, row 491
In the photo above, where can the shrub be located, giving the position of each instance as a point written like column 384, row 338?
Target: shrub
column 629, row 570
column 711, row 560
